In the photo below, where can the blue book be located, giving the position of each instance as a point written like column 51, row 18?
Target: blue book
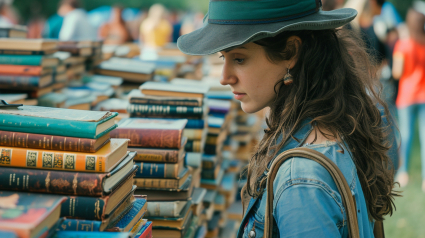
column 159, row 170
column 57, row 121
column 195, row 124
column 89, row 234
column 30, row 60
column 129, row 220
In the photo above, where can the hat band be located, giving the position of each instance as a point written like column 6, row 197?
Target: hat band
column 266, row 11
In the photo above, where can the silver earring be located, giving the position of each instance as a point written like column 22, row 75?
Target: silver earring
column 288, row 79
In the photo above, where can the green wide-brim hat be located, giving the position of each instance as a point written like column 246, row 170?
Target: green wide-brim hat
column 233, row 23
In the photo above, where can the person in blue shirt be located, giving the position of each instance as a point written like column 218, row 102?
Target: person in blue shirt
column 321, row 90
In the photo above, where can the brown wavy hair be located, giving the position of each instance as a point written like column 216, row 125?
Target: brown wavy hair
column 335, row 84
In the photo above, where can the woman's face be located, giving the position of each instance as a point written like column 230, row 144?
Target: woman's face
column 252, row 76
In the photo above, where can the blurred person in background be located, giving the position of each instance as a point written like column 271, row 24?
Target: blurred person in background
column 177, row 25
column 329, row 5
column 53, row 27
column 409, row 67
column 76, row 26
column 8, row 16
column 156, row 30
column 115, row 31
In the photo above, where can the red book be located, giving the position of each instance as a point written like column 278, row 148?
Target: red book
column 146, row 231
column 151, row 133
column 24, row 70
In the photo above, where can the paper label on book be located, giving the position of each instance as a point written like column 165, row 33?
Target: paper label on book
column 91, row 162
column 58, row 161
column 32, row 158
column 48, row 159
column 70, row 160
column 5, row 156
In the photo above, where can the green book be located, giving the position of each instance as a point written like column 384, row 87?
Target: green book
column 31, row 60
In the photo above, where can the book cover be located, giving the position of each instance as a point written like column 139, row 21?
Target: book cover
column 193, row 146
column 28, row 214
column 151, row 133
column 90, row 234
column 49, row 142
column 165, row 208
column 146, row 231
column 137, row 97
column 163, row 183
column 24, row 70
column 158, row 170
column 213, row 183
column 136, row 110
column 164, row 89
column 102, row 161
column 57, row 121
column 63, row 182
column 193, row 159
column 132, row 216
column 24, row 82
column 157, row 155
column 28, row 60
column 209, row 161
column 183, row 193
column 194, row 134
column 195, row 124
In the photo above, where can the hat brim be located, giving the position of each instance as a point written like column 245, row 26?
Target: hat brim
column 213, row 38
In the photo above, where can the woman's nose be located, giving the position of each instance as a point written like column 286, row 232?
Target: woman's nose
column 228, row 76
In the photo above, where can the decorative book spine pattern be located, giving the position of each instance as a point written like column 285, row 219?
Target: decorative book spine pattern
column 47, row 181
column 149, row 138
column 48, row 142
column 28, row 82
column 189, row 103
column 193, row 146
column 140, row 109
column 80, row 225
column 156, row 170
column 56, row 160
column 87, row 208
column 156, row 183
column 157, row 156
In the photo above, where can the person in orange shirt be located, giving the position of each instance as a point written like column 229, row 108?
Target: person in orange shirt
column 115, row 32
column 409, row 68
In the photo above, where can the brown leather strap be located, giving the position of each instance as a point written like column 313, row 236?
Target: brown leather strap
column 378, row 229
column 341, row 183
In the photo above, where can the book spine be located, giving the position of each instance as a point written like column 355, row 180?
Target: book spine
column 193, row 146
column 162, row 209
column 148, row 231
column 189, row 103
column 48, row 181
column 20, row 70
column 27, row 82
column 195, row 124
column 156, row 183
column 141, row 109
column 207, row 164
column 48, row 126
column 170, row 139
column 178, row 116
column 155, row 170
column 48, row 142
column 193, row 160
column 193, row 134
column 52, row 160
column 157, row 156
column 208, row 173
column 80, row 225
column 21, row 52
column 21, row 60
column 86, row 208
column 210, row 149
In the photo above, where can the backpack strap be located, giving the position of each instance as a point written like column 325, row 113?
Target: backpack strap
column 335, row 172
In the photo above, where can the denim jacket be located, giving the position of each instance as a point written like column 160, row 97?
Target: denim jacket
column 306, row 200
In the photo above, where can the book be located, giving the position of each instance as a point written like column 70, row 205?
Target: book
column 165, row 208
column 159, row 170
column 64, row 182
column 210, row 173
column 57, row 121
column 49, row 142
column 230, row 229
column 103, row 160
column 194, row 146
column 91, row 225
column 131, row 217
column 146, row 231
column 190, row 233
column 235, row 211
column 209, row 161
column 128, row 69
column 172, row 222
column 115, row 82
column 151, row 133
column 183, row 193
column 158, row 155
column 193, row 159
column 195, row 124
column 23, row 70
column 25, row 82
column 198, row 196
column 137, row 97
column 148, row 110
column 90, row 234
column 97, row 208
column 27, row 214
column 15, row 31
column 193, row 134
column 28, row 44
column 14, row 98
column 213, row 183
column 29, row 60
column 219, row 202
column 173, row 90
column 170, row 232
column 163, row 183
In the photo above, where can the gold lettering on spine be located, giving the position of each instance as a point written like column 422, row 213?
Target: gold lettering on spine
column 75, row 183
column 47, row 182
column 79, row 145
column 17, row 181
column 51, row 143
column 97, row 209
column 24, row 180
column 27, row 182
column 10, row 179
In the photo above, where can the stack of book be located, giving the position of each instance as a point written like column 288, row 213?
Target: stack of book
column 161, row 176
column 79, row 52
column 70, row 152
column 27, row 66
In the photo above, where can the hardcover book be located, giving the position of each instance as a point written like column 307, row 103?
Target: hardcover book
column 128, row 69
column 163, row 183
column 15, row 31
column 148, row 110
column 172, row 222
column 165, row 208
column 173, row 90
column 89, row 234
column 27, row 44
column 131, row 217
column 159, row 155
column 57, row 121
column 151, row 133
column 159, row 170
column 29, row 60
column 137, row 97
column 183, row 193
column 49, row 142
column 22, row 70
column 146, row 231
column 27, row 214
column 64, row 182
column 103, row 160
column 25, row 82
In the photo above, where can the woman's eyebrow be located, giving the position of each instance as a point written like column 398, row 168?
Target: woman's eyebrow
column 234, row 48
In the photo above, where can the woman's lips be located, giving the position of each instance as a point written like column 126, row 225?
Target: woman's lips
column 239, row 95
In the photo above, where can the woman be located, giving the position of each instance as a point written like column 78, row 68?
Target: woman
column 320, row 87
column 409, row 67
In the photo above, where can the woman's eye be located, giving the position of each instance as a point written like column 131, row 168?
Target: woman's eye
column 221, row 57
column 239, row 61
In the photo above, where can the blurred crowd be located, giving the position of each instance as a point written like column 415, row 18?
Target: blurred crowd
column 397, row 47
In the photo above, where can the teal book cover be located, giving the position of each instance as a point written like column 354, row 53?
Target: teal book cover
column 57, row 121
column 89, row 234
column 31, row 60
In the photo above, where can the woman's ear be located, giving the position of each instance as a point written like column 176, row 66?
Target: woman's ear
column 295, row 43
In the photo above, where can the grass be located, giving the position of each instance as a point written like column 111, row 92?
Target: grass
column 409, row 219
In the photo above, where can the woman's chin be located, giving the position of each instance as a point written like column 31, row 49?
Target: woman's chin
column 249, row 108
